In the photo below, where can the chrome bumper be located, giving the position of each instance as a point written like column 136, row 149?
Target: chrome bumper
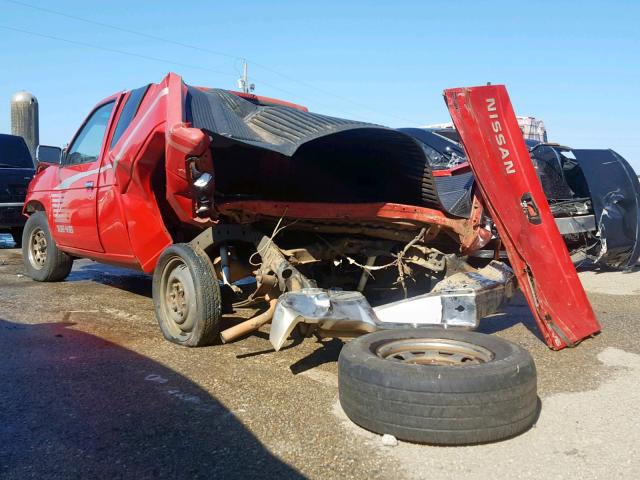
column 460, row 300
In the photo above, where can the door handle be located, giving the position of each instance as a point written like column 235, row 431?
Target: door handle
column 88, row 185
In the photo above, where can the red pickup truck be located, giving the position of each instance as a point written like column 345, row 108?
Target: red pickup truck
column 342, row 226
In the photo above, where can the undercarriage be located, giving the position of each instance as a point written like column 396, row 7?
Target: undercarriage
column 332, row 284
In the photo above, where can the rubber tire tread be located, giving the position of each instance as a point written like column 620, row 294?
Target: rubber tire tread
column 442, row 405
column 206, row 330
column 58, row 264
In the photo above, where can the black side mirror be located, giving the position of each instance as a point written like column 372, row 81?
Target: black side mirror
column 48, row 155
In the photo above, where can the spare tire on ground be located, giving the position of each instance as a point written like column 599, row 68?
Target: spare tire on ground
column 437, row 386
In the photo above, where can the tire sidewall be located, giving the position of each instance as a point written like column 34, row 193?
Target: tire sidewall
column 38, row 220
column 206, row 290
column 511, row 365
column 437, row 404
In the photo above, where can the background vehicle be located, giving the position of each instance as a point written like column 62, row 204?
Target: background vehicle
column 330, row 216
column 16, row 171
column 593, row 194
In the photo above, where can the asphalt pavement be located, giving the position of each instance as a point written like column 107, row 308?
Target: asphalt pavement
column 90, row 389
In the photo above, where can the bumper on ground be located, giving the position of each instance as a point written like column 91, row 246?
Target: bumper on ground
column 460, row 300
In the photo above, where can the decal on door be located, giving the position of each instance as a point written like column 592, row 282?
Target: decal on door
column 61, row 214
column 64, row 228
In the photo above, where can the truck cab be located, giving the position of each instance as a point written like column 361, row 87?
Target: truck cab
column 93, row 196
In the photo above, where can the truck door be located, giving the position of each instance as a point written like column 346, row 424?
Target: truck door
column 74, row 198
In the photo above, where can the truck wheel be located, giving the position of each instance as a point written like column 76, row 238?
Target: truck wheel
column 43, row 261
column 186, row 295
column 437, row 386
column 16, row 233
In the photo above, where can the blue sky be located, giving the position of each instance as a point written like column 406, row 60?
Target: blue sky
column 575, row 65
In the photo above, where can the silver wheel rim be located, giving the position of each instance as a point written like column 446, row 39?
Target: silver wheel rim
column 434, row 351
column 37, row 249
column 178, row 298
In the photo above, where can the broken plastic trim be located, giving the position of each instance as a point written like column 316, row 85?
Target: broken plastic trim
column 460, row 300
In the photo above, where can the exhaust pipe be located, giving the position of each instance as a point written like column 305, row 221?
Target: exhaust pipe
column 248, row 326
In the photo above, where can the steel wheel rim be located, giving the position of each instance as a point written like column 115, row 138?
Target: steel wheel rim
column 178, row 297
column 37, row 249
column 434, row 351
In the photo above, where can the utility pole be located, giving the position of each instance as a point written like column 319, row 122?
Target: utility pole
column 243, row 82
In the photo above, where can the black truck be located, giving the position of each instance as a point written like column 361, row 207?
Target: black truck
column 16, row 171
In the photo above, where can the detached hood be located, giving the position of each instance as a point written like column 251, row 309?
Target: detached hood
column 277, row 128
column 302, row 156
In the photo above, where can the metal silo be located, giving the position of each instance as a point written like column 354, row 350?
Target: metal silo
column 24, row 119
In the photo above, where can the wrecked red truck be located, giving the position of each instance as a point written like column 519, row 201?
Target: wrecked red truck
column 343, row 230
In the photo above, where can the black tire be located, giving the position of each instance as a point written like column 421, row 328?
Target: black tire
column 43, row 260
column 190, row 318
column 438, row 403
column 16, row 233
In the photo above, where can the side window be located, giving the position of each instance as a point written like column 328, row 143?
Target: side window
column 86, row 146
column 128, row 113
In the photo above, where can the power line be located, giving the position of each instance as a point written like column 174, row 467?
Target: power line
column 114, row 50
column 292, row 95
column 121, row 29
column 214, row 52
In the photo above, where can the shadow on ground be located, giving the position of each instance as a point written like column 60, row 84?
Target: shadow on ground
column 77, row 406
column 517, row 311
column 591, row 267
column 122, row 278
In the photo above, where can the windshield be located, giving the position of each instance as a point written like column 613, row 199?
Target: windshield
column 14, row 152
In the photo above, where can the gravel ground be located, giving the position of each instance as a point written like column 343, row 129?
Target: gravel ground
column 89, row 388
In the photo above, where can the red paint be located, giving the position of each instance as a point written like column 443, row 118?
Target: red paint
column 347, row 213
column 118, row 221
column 463, row 167
column 504, row 174
column 122, row 221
